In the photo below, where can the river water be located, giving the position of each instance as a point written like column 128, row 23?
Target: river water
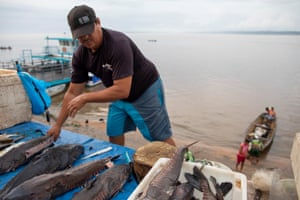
column 216, row 84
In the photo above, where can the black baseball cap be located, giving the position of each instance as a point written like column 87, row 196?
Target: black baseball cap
column 81, row 20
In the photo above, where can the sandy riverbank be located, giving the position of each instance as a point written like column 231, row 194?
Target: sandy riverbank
column 96, row 128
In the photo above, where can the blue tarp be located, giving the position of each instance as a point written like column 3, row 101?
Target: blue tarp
column 33, row 130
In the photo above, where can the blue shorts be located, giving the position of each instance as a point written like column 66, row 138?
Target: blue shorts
column 148, row 113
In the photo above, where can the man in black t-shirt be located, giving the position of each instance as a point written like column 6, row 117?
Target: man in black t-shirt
column 132, row 82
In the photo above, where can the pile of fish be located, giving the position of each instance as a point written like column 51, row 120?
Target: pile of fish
column 49, row 186
column 199, row 181
column 51, row 160
column 49, row 172
column 165, row 185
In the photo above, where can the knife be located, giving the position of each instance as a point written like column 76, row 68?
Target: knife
column 97, row 153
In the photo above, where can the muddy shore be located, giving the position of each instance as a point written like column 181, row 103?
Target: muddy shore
column 93, row 125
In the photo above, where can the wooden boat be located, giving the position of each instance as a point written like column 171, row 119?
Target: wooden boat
column 262, row 129
column 55, row 90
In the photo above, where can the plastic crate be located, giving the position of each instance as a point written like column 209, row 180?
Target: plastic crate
column 238, row 180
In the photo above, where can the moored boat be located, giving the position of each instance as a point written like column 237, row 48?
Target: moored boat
column 262, row 129
column 93, row 80
column 55, row 90
column 53, row 63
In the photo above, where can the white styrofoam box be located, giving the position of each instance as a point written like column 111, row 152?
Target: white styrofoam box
column 15, row 106
column 238, row 180
column 295, row 160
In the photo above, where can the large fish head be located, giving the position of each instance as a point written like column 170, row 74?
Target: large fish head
column 28, row 191
column 74, row 150
column 183, row 191
column 124, row 170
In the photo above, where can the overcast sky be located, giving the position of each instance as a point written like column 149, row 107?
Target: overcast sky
column 39, row 16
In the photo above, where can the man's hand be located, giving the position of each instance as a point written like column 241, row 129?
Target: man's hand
column 75, row 104
column 54, row 131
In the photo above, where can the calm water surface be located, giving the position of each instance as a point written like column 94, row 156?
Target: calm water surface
column 216, row 84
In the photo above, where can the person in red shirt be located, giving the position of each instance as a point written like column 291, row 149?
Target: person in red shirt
column 242, row 155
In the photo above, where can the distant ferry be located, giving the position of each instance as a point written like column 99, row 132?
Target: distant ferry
column 5, row 48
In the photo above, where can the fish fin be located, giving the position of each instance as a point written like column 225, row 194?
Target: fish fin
column 193, row 180
column 178, row 183
column 115, row 157
column 213, row 180
column 90, row 183
column 225, row 187
column 192, row 143
column 198, row 173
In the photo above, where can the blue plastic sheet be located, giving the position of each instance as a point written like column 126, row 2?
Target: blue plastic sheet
column 33, row 130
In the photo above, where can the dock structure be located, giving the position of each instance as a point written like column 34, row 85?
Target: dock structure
column 57, row 82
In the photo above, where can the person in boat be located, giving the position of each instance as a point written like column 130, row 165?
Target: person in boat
column 242, row 154
column 270, row 113
column 255, row 147
column 133, row 85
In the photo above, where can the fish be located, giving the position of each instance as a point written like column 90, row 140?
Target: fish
column 221, row 190
column 22, row 153
column 51, row 185
column 164, row 183
column 50, row 160
column 183, row 191
column 106, row 185
column 200, row 182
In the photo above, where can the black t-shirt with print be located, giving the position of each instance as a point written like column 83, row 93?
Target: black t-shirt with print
column 117, row 58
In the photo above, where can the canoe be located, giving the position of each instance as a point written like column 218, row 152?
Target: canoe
column 262, row 129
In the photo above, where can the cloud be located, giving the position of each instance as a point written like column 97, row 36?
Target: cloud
column 158, row 16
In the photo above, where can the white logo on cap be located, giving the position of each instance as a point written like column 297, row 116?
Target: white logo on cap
column 84, row 19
